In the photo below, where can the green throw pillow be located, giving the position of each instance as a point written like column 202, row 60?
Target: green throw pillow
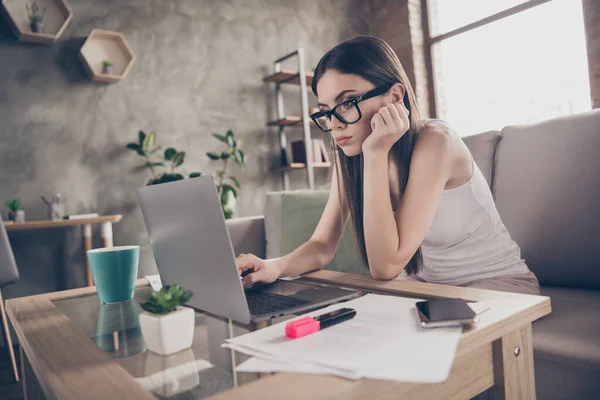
column 300, row 214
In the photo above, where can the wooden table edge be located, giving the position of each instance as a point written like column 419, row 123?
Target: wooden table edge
column 63, row 223
column 50, row 381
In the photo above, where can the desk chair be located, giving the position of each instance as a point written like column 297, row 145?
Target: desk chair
column 8, row 274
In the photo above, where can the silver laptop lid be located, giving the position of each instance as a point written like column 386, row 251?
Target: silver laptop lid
column 8, row 268
column 191, row 245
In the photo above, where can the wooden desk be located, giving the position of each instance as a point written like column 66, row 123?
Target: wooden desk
column 106, row 232
column 496, row 353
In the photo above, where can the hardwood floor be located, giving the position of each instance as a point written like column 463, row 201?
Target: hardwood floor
column 9, row 389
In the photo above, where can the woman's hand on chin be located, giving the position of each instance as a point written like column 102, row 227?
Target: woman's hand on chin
column 388, row 125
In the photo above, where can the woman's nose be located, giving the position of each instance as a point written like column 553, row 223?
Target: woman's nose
column 336, row 123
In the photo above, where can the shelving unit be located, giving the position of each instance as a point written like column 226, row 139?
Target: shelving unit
column 294, row 166
column 57, row 16
column 106, row 45
column 303, row 79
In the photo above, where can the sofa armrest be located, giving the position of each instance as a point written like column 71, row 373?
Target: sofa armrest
column 248, row 235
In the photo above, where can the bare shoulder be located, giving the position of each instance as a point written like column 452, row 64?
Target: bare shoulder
column 435, row 138
column 439, row 137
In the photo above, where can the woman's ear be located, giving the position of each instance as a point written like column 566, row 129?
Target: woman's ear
column 397, row 92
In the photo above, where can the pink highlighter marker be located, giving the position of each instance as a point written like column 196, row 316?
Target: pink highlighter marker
column 307, row 325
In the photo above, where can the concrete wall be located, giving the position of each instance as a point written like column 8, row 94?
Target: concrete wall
column 199, row 69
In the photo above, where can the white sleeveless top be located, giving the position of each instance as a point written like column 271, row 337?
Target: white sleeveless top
column 467, row 241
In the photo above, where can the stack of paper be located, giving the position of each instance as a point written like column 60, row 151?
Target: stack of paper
column 383, row 341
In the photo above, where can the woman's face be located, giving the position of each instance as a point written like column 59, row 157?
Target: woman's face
column 335, row 88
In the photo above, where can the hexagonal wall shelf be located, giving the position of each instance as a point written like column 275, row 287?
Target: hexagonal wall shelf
column 56, row 16
column 102, row 46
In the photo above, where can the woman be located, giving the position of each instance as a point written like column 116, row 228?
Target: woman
column 420, row 207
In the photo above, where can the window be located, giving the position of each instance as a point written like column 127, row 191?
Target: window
column 527, row 65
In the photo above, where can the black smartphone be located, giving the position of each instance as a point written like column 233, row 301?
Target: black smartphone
column 444, row 312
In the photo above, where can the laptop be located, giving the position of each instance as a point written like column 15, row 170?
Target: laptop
column 192, row 248
column 8, row 268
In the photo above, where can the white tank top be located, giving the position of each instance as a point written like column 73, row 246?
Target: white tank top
column 467, row 241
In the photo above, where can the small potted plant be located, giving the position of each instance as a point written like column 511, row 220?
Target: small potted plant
column 15, row 214
column 166, row 325
column 36, row 17
column 107, row 67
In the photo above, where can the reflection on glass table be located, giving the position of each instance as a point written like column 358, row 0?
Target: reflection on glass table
column 204, row 369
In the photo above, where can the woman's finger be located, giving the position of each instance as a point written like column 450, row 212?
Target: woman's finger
column 376, row 121
column 385, row 115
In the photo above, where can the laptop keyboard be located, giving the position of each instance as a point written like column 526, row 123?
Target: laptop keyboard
column 261, row 303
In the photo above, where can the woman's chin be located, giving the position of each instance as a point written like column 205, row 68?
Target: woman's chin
column 352, row 151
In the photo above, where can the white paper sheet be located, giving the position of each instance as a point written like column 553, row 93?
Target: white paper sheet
column 155, row 282
column 383, row 341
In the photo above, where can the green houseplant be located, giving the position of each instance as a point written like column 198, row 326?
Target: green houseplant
column 107, row 67
column 168, row 326
column 227, row 185
column 15, row 214
column 162, row 168
column 36, row 17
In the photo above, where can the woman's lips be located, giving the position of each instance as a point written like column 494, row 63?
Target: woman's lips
column 342, row 140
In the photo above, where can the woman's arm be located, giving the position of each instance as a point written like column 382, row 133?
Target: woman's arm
column 319, row 250
column 315, row 254
column 391, row 242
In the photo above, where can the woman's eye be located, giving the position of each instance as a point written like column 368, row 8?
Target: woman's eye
column 346, row 105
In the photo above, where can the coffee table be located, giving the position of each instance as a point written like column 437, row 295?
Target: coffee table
column 74, row 347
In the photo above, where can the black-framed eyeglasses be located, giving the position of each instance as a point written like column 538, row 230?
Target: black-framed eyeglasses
column 347, row 112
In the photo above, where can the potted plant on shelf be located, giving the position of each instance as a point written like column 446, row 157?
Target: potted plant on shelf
column 225, row 183
column 168, row 326
column 107, row 67
column 36, row 17
column 15, row 214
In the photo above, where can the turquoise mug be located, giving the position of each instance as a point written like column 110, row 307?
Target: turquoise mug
column 115, row 272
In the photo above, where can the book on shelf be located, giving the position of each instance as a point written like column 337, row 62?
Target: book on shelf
column 319, row 151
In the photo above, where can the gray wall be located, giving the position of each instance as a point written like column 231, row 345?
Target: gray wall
column 199, row 70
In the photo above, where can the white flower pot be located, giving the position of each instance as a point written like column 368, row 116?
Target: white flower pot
column 168, row 333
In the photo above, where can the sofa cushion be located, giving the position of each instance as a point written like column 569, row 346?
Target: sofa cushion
column 247, row 235
column 569, row 335
column 547, row 190
column 290, row 220
column 483, row 149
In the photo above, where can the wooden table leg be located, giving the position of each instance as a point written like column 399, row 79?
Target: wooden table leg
column 106, row 233
column 513, row 365
column 87, row 242
column 23, row 378
column 8, row 339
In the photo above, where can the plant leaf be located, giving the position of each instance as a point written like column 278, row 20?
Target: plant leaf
column 195, row 174
column 154, row 164
column 225, row 155
column 231, row 188
column 141, row 137
column 213, row 156
column 178, row 158
column 230, row 138
column 239, row 157
column 149, row 142
column 182, row 158
column 169, row 153
column 220, row 137
column 235, row 181
column 133, row 146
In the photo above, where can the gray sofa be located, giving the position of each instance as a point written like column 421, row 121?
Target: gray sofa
column 545, row 179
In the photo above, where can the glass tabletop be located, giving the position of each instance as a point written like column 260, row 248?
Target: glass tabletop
column 200, row 371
